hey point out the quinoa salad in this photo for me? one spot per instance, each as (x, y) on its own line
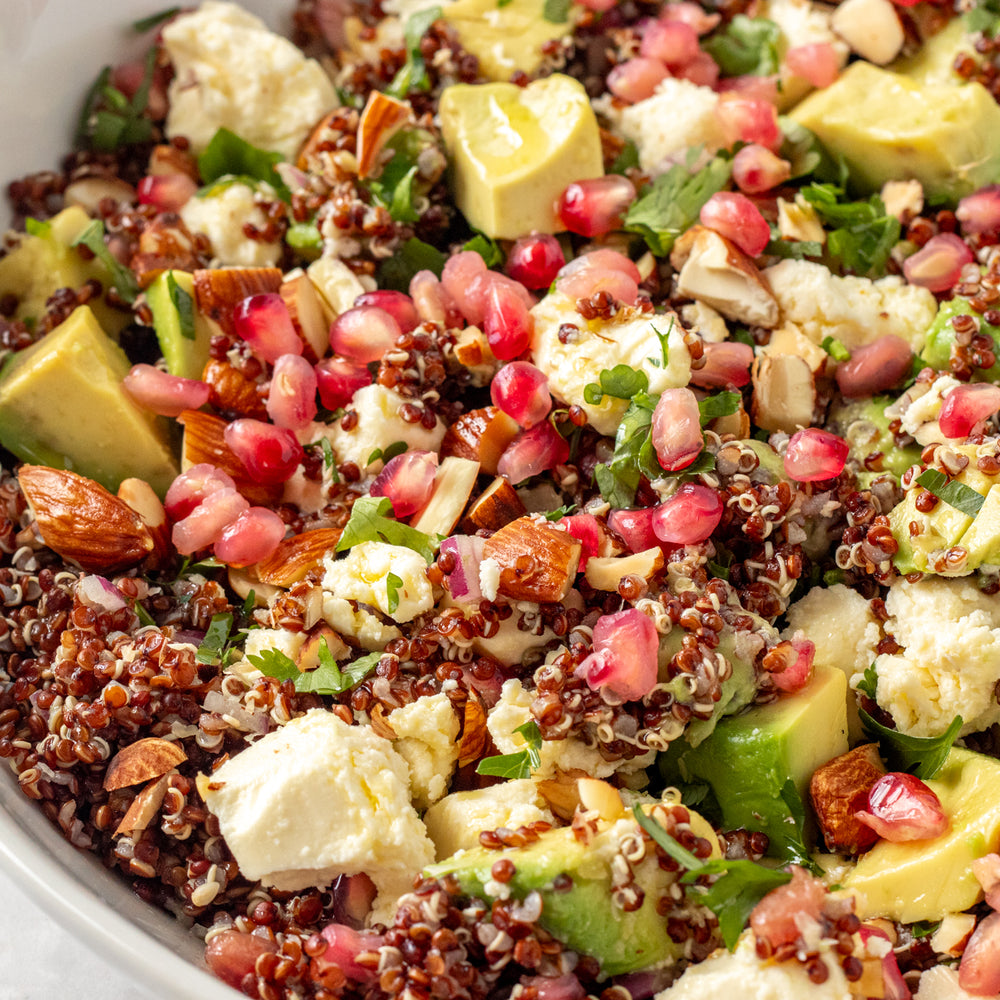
(501, 498)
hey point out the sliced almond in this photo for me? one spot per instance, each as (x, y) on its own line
(165, 244)
(308, 655)
(475, 735)
(496, 506)
(245, 583)
(296, 556)
(562, 793)
(338, 286)
(600, 797)
(83, 522)
(311, 316)
(871, 28)
(737, 424)
(142, 761)
(784, 392)
(481, 435)
(453, 484)
(232, 391)
(168, 159)
(144, 807)
(607, 572)
(472, 351)
(537, 562)
(219, 291)
(89, 192)
(381, 119)
(139, 495)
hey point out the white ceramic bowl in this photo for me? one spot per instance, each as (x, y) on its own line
(50, 51)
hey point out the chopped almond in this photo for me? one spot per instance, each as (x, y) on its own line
(537, 562)
(481, 435)
(142, 761)
(496, 506)
(839, 789)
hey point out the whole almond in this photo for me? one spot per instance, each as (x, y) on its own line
(296, 556)
(142, 761)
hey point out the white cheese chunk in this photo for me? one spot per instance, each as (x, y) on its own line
(426, 734)
(363, 575)
(221, 216)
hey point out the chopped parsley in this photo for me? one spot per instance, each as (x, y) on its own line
(621, 382)
(869, 683)
(413, 74)
(414, 255)
(722, 404)
(109, 119)
(369, 522)
(227, 155)
(522, 762)
(952, 492)
(748, 45)
(835, 349)
(920, 755)
(122, 278)
(327, 678)
(214, 645)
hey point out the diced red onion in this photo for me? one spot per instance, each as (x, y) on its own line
(232, 955)
(344, 944)
(162, 393)
(893, 984)
(463, 580)
(95, 592)
(588, 530)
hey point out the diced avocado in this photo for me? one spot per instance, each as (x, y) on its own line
(507, 37)
(184, 340)
(583, 914)
(44, 262)
(927, 879)
(887, 126)
(982, 539)
(514, 149)
(749, 757)
(62, 405)
(865, 427)
(941, 338)
(934, 61)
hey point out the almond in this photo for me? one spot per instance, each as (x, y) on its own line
(480, 435)
(602, 798)
(144, 807)
(839, 789)
(537, 562)
(296, 556)
(453, 484)
(475, 735)
(142, 761)
(607, 572)
(245, 583)
(381, 119)
(308, 655)
(220, 290)
(83, 522)
(562, 793)
(784, 392)
(168, 159)
(139, 495)
(232, 391)
(496, 506)
(310, 315)
(165, 244)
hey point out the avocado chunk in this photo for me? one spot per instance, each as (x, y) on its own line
(513, 151)
(749, 757)
(185, 335)
(505, 38)
(941, 338)
(581, 911)
(865, 427)
(934, 61)
(945, 136)
(927, 879)
(62, 405)
(46, 261)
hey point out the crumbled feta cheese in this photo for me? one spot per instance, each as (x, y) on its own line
(950, 661)
(853, 310)
(919, 407)
(628, 338)
(363, 575)
(940, 983)
(489, 578)
(359, 624)
(679, 116)
(705, 321)
(231, 72)
(221, 217)
(316, 799)
(426, 733)
(378, 426)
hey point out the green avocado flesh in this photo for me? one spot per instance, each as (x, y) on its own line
(865, 427)
(186, 352)
(62, 405)
(941, 338)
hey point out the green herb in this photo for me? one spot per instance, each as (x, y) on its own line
(35, 227)
(835, 349)
(520, 763)
(145, 618)
(413, 74)
(743, 336)
(504, 3)
(304, 237)
(832, 577)
(627, 159)
(487, 249)
(797, 851)
(794, 249)
(803, 151)
(329, 679)
(924, 928)
(393, 584)
(227, 154)
(722, 404)
(717, 569)
(633, 457)
(396, 448)
(414, 255)
(747, 46)
(184, 304)
(121, 277)
(368, 523)
(564, 511)
(621, 382)
(952, 492)
(556, 11)
(869, 683)
(393, 189)
(274, 663)
(327, 449)
(109, 119)
(249, 603)
(216, 637)
(919, 755)
(670, 205)
(983, 17)
(154, 19)
(664, 338)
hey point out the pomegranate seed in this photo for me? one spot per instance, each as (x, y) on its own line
(751, 88)
(166, 192)
(874, 367)
(407, 480)
(625, 655)
(463, 580)
(601, 270)
(507, 323)
(965, 406)
(364, 334)
(691, 14)
(190, 488)
(203, 526)
(775, 919)
(595, 207)
(980, 212)
(797, 675)
(588, 530)
(535, 260)
(902, 808)
(521, 391)
(689, 516)
(938, 264)
(635, 528)
(159, 392)
(670, 41)
(703, 70)
(232, 955)
(748, 119)
(432, 301)
(979, 970)
(727, 363)
(264, 323)
(987, 872)
(600, 6)
(636, 80)
(564, 987)
(676, 429)
(537, 450)
(269, 454)
(291, 400)
(464, 279)
(338, 380)
(756, 169)
(253, 536)
(344, 944)
(815, 62)
(130, 76)
(399, 306)
(736, 217)
(893, 984)
(814, 455)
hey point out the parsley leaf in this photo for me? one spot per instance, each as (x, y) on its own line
(413, 74)
(793, 249)
(556, 11)
(393, 584)
(110, 120)
(868, 684)
(145, 618)
(621, 382)
(749, 45)
(835, 349)
(664, 338)
(154, 19)
(919, 755)
(520, 763)
(275, 663)
(369, 523)
(227, 154)
(487, 249)
(722, 404)
(670, 205)
(626, 159)
(414, 255)
(121, 277)
(984, 16)
(184, 304)
(953, 493)
(797, 851)
(394, 186)
(216, 637)
(633, 457)
(396, 448)
(328, 678)
(564, 511)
